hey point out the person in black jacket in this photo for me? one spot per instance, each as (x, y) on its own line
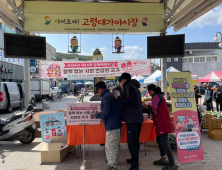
(132, 114)
(218, 98)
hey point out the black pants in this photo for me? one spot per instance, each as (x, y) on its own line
(164, 147)
(219, 102)
(209, 105)
(133, 134)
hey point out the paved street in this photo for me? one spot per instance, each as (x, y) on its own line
(17, 156)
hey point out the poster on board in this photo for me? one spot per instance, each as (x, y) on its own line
(186, 121)
(52, 124)
(79, 113)
(75, 69)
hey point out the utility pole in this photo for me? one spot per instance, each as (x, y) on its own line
(164, 60)
(27, 79)
(163, 70)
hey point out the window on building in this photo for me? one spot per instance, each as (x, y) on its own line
(208, 59)
(202, 59)
(196, 59)
(175, 59)
(169, 60)
(190, 60)
(214, 58)
(184, 60)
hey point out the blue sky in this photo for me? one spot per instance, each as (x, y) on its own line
(202, 30)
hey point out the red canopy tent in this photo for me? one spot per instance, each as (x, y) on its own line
(214, 76)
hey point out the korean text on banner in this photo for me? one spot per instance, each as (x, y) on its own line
(52, 125)
(79, 113)
(93, 17)
(186, 121)
(65, 69)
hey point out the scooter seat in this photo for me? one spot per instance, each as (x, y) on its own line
(16, 115)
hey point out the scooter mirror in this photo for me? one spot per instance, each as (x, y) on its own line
(30, 107)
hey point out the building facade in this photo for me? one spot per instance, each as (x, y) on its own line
(200, 58)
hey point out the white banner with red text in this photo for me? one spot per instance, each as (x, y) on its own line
(70, 69)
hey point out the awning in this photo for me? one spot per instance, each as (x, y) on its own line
(170, 69)
(152, 77)
(214, 76)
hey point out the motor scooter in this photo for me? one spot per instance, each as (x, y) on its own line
(81, 95)
(20, 126)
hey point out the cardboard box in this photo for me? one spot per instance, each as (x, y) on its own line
(217, 126)
(208, 122)
(55, 151)
(216, 121)
(215, 134)
(207, 117)
(204, 126)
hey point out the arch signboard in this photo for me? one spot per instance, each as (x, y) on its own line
(63, 17)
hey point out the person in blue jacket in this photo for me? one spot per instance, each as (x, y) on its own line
(208, 98)
(110, 114)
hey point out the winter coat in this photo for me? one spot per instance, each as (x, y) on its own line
(109, 111)
(161, 118)
(208, 95)
(132, 110)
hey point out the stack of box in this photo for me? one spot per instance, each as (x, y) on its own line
(216, 123)
(207, 121)
(215, 132)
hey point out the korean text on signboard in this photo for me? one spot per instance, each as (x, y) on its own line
(63, 69)
(52, 125)
(80, 113)
(186, 121)
(91, 17)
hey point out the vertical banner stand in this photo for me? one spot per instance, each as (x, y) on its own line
(83, 150)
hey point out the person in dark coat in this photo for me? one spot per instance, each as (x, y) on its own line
(132, 114)
(218, 97)
(208, 98)
(197, 96)
(113, 125)
(164, 126)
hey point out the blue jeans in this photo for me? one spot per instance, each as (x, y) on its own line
(164, 147)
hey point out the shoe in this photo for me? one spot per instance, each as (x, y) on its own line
(129, 161)
(160, 162)
(170, 168)
(134, 168)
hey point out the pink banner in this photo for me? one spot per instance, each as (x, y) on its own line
(64, 69)
(188, 137)
(79, 113)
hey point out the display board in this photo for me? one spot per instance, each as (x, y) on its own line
(52, 125)
(69, 69)
(45, 16)
(80, 113)
(186, 121)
